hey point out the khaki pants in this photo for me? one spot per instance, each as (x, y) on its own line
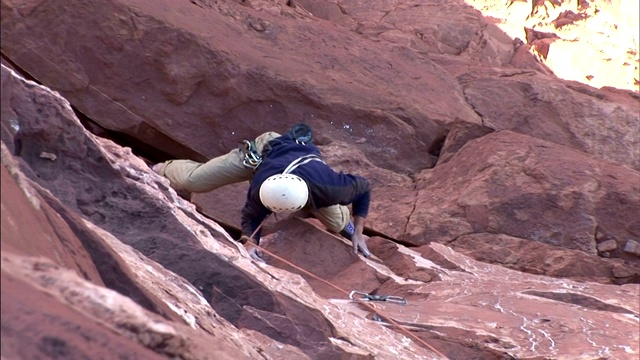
(228, 169)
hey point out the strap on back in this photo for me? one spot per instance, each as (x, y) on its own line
(301, 161)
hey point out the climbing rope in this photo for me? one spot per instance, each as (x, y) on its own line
(361, 299)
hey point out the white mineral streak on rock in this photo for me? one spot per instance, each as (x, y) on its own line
(530, 335)
(552, 343)
(188, 318)
(502, 303)
(23, 183)
(94, 301)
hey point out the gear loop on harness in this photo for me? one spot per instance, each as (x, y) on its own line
(252, 159)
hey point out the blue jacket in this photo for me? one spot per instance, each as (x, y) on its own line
(326, 187)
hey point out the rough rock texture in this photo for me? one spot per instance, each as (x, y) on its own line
(528, 188)
(504, 198)
(175, 268)
(142, 271)
(531, 257)
(569, 114)
(215, 90)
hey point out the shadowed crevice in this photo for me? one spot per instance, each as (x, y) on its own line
(581, 300)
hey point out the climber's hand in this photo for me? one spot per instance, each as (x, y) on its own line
(359, 244)
(252, 248)
(358, 238)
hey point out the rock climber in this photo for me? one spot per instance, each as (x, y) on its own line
(286, 174)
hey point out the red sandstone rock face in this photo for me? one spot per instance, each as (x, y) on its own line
(218, 92)
(138, 268)
(504, 198)
(569, 114)
(528, 188)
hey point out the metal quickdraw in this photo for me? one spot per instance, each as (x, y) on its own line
(357, 295)
(251, 156)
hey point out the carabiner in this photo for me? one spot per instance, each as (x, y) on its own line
(251, 157)
(396, 299)
(362, 296)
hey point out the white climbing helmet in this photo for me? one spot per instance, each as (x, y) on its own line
(284, 192)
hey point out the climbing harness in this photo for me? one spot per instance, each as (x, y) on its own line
(301, 161)
(251, 156)
(362, 296)
(357, 295)
(253, 161)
